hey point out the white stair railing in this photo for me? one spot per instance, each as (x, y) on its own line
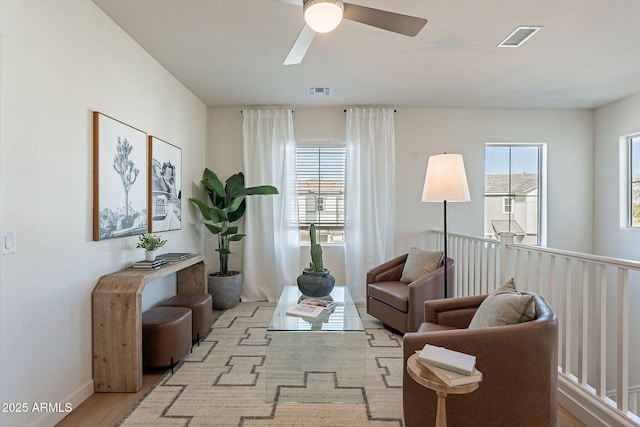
(477, 262)
(590, 296)
(634, 398)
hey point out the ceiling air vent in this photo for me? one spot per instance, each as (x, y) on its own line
(318, 91)
(518, 36)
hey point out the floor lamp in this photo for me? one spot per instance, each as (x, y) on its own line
(445, 181)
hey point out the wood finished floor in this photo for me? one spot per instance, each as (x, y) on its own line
(106, 409)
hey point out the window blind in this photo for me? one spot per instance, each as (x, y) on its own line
(321, 182)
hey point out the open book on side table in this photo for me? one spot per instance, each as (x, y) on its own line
(452, 367)
(312, 308)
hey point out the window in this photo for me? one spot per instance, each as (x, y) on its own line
(507, 205)
(512, 195)
(634, 181)
(320, 174)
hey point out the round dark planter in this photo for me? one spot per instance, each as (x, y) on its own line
(316, 283)
(225, 290)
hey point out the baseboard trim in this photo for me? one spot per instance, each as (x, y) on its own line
(589, 409)
(75, 399)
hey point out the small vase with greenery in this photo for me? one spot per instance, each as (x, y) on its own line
(150, 243)
(315, 281)
(225, 206)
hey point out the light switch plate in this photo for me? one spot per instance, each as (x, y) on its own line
(9, 242)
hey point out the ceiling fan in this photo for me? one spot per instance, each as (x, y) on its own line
(323, 16)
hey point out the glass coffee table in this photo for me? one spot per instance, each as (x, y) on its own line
(316, 361)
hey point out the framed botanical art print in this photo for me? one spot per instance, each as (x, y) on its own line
(165, 185)
(119, 178)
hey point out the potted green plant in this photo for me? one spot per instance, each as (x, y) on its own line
(226, 205)
(150, 243)
(315, 281)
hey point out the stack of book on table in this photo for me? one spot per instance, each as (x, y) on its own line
(453, 368)
(150, 265)
(312, 308)
(174, 256)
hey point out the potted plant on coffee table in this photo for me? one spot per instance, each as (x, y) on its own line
(315, 281)
(226, 206)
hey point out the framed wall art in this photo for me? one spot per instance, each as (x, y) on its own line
(165, 185)
(119, 179)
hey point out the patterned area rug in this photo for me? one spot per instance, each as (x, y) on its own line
(222, 383)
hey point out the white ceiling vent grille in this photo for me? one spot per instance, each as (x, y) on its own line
(318, 91)
(518, 36)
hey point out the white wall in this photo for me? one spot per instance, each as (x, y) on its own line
(224, 157)
(61, 60)
(611, 236)
(612, 122)
(421, 132)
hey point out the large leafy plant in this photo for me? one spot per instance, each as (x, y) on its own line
(227, 205)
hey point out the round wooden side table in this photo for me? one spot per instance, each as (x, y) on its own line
(423, 376)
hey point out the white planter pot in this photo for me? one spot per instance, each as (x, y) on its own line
(150, 255)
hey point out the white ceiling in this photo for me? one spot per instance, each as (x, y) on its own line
(230, 53)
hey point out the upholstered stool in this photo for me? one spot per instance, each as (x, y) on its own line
(166, 336)
(201, 308)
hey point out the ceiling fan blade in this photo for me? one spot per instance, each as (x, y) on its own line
(395, 22)
(300, 47)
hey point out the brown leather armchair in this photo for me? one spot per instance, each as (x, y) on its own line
(519, 364)
(398, 305)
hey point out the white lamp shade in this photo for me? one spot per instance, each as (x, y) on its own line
(446, 179)
(323, 15)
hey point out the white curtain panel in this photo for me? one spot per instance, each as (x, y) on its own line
(272, 245)
(370, 194)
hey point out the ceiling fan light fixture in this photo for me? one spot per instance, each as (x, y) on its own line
(323, 15)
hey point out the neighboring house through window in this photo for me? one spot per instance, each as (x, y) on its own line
(320, 171)
(512, 196)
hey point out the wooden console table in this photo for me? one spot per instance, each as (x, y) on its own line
(117, 320)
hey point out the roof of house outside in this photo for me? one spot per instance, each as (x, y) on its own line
(520, 183)
(313, 186)
(507, 226)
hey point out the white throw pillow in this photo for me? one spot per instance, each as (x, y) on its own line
(420, 263)
(504, 306)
